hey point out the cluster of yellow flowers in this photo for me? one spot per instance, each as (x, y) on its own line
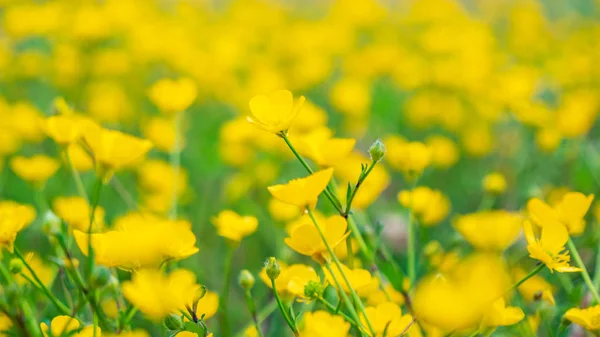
(128, 127)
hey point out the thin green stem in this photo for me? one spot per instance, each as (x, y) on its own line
(411, 248)
(487, 202)
(527, 277)
(357, 300)
(40, 285)
(76, 176)
(96, 202)
(283, 310)
(252, 310)
(225, 328)
(28, 318)
(584, 272)
(262, 315)
(361, 179)
(175, 160)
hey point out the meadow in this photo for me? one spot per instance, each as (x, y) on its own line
(270, 168)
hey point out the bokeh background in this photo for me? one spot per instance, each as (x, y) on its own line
(504, 85)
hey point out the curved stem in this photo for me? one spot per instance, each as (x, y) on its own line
(252, 310)
(584, 272)
(283, 310)
(528, 276)
(96, 201)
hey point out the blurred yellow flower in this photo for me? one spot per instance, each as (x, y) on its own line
(36, 169)
(409, 157)
(79, 158)
(75, 211)
(67, 324)
(444, 151)
(587, 318)
(321, 323)
(305, 238)
(302, 192)
(158, 295)
(173, 96)
(276, 112)
(141, 242)
(386, 293)
(324, 150)
(27, 122)
(46, 273)
(64, 130)
(535, 288)
(280, 211)
(292, 279)
(569, 211)
(501, 315)
(550, 247)
(5, 324)
(13, 218)
(158, 176)
(361, 280)
(387, 320)
(429, 206)
(233, 226)
(490, 230)
(208, 305)
(132, 333)
(494, 183)
(161, 132)
(348, 171)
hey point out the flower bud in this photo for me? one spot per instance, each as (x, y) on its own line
(100, 277)
(377, 150)
(174, 323)
(246, 279)
(273, 269)
(15, 266)
(313, 290)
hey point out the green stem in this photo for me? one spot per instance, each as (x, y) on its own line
(584, 272)
(411, 247)
(262, 315)
(486, 203)
(28, 318)
(334, 311)
(527, 277)
(225, 328)
(597, 268)
(96, 202)
(252, 310)
(175, 160)
(283, 310)
(357, 300)
(40, 285)
(76, 176)
(361, 179)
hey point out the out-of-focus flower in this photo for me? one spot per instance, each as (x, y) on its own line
(158, 295)
(587, 318)
(5, 324)
(302, 192)
(444, 152)
(348, 171)
(494, 183)
(292, 279)
(501, 315)
(75, 211)
(569, 211)
(305, 238)
(161, 132)
(173, 96)
(429, 206)
(13, 218)
(323, 149)
(79, 158)
(66, 324)
(489, 230)
(535, 288)
(276, 112)
(361, 280)
(386, 318)
(409, 157)
(64, 130)
(233, 226)
(281, 211)
(44, 272)
(139, 242)
(550, 247)
(36, 170)
(322, 323)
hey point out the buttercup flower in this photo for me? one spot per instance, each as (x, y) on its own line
(36, 170)
(323, 149)
(501, 315)
(305, 238)
(387, 319)
(65, 324)
(588, 318)
(302, 192)
(569, 211)
(292, 279)
(233, 226)
(409, 157)
(75, 211)
(13, 218)
(63, 130)
(324, 324)
(361, 280)
(276, 112)
(429, 206)
(45, 272)
(489, 230)
(550, 247)
(534, 288)
(172, 96)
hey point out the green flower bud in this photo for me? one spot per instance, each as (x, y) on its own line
(101, 277)
(377, 151)
(246, 279)
(174, 323)
(273, 269)
(313, 290)
(16, 266)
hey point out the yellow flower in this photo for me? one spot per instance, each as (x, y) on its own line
(501, 315)
(132, 333)
(494, 183)
(64, 130)
(489, 230)
(292, 279)
(323, 149)
(303, 192)
(361, 280)
(251, 331)
(13, 218)
(233, 226)
(46, 273)
(64, 324)
(161, 132)
(113, 149)
(305, 238)
(429, 206)
(75, 211)
(281, 211)
(348, 171)
(569, 211)
(5, 324)
(172, 96)
(36, 170)
(27, 122)
(158, 295)
(186, 334)
(140, 242)
(588, 318)
(323, 324)
(534, 288)
(387, 319)
(208, 305)
(80, 159)
(26, 213)
(276, 112)
(387, 293)
(110, 307)
(550, 247)
(444, 152)
(158, 176)
(409, 157)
